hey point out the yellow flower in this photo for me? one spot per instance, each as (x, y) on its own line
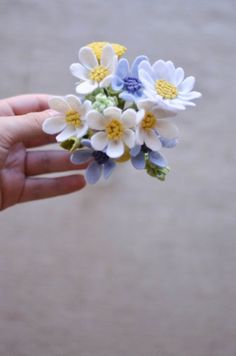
(97, 47)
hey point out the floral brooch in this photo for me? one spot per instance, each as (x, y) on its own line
(121, 112)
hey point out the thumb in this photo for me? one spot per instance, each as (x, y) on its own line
(28, 129)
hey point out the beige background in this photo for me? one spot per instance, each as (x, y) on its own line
(134, 267)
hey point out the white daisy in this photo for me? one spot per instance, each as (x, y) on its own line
(165, 84)
(152, 124)
(91, 73)
(71, 119)
(115, 130)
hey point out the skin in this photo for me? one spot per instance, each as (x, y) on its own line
(21, 121)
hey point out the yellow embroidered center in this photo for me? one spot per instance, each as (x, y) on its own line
(73, 118)
(97, 48)
(98, 73)
(166, 89)
(114, 130)
(149, 121)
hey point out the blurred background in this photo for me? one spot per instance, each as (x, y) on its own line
(132, 267)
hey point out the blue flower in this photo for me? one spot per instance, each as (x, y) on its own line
(100, 162)
(127, 80)
(138, 157)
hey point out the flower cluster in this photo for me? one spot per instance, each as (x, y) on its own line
(121, 112)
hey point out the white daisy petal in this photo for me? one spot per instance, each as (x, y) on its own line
(87, 57)
(58, 103)
(146, 66)
(129, 138)
(107, 55)
(115, 149)
(161, 70)
(139, 136)
(113, 65)
(152, 141)
(105, 82)
(99, 141)
(178, 76)
(113, 112)
(167, 129)
(81, 131)
(95, 120)
(74, 102)
(86, 87)
(53, 125)
(68, 132)
(129, 118)
(79, 71)
(190, 96)
(186, 85)
(171, 68)
(146, 79)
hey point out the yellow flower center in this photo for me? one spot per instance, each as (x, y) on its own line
(149, 121)
(114, 130)
(98, 73)
(73, 118)
(166, 89)
(97, 48)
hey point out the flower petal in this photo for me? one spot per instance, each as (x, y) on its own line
(107, 55)
(146, 67)
(108, 168)
(87, 57)
(168, 143)
(138, 161)
(167, 129)
(86, 87)
(113, 112)
(106, 81)
(99, 141)
(157, 159)
(178, 76)
(78, 71)
(129, 138)
(81, 156)
(161, 70)
(152, 141)
(122, 68)
(68, 132)
(53, 125)
(187, 85)
(146, 79)
(93, 173)
(115, 149)
(74, 102)
(129, 118)
(117, 83)
(58, 103)
(135, 150)
(95, 120)
(82, 130)
(135, 65)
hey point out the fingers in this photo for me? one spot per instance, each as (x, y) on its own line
(41, 162)
(23, 104)
(41, 188)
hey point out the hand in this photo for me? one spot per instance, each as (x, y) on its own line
(21, 121)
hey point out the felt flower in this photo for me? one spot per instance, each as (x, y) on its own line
(166, 85)
(100, 163)
(127, 80)
(92, 73)
(71, 118)
(115, 130)
(152, 123)
(97, 48)
(139, 154)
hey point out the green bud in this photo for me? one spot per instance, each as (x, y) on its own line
(156, 171)
(71, 144)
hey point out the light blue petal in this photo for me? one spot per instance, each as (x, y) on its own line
(135, 150)
(127, 96)
(117, 83)
(136, 62)
(93, 173)
(81, 156)
(168, 143)
(157, 159)
(138, 161)
(122, 69)
(108, 168)
(86, 142)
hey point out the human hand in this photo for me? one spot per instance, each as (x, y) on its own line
(21, 121)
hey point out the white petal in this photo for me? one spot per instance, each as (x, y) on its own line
(79, 71)
(140, 115)
(187, 85)
(105, 82)
(59, 104)
(113, 65)
(74, 102)
(53, 125)
(107, 55)
(152, 141)
(146, 67)
(95, 120)
(167, 129)
(99, 141)
(115, 149)
(161, 70)
(178, 76)
(86, 87)
(129, 118)
(87, 57)
(113, 112)
(68, 132)
(129, 138)
(81, 131)
(190, 96)
(146, 79)
(171, 69)
(139, 135)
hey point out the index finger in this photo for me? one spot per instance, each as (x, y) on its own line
(23, 104)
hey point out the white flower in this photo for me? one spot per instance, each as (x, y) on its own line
(115, 130)
(152, 124)
(71, 119)
(91, 73)
(165, 84)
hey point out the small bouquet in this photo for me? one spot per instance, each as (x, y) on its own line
(122, 112)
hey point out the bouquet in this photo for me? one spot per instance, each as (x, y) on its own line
(121, 112)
